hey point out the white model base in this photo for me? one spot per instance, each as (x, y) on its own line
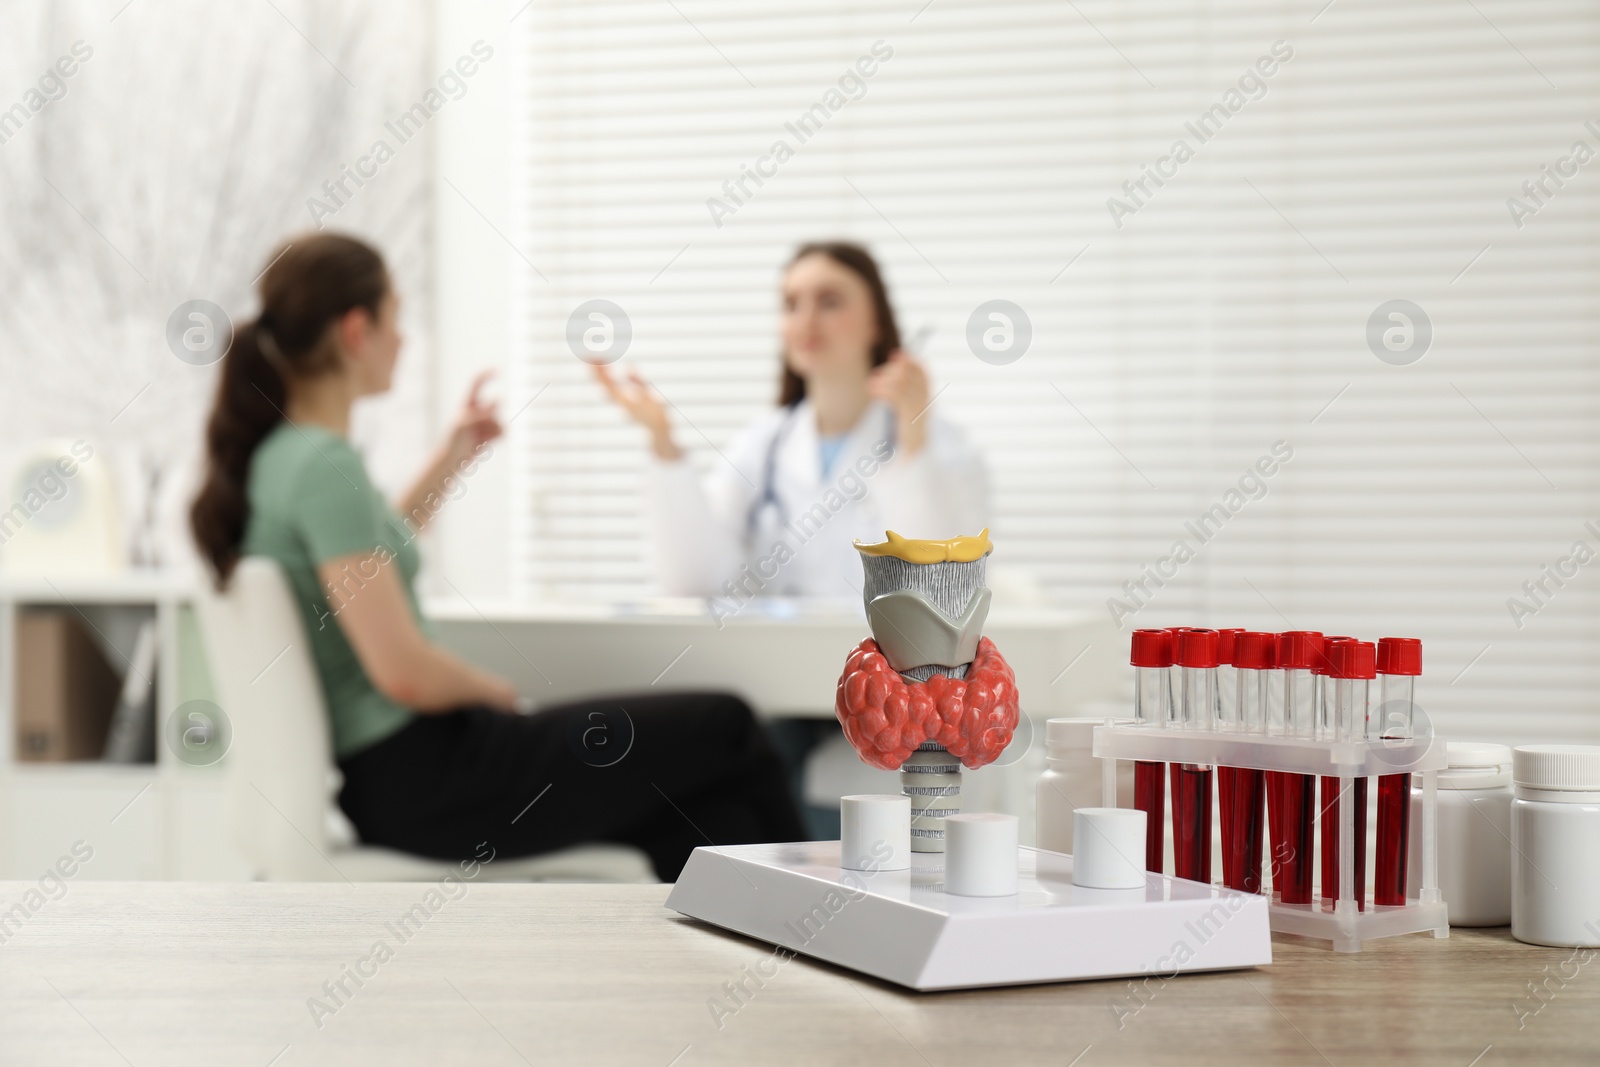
(903, 927)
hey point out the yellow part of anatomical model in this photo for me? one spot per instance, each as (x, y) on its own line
(952, 550)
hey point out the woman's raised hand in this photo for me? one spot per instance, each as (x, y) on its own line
(902, 383)
(639, 401)
(476, 424)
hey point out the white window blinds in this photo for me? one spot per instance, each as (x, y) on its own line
(1190, 307)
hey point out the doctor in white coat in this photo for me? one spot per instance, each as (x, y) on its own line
(853, 448)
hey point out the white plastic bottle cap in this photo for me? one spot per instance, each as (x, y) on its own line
(1476, 765)
(1070, 732)
(1108, 848)
(980, 854)
(875, 832)
(1574, 767)
(1076, 732)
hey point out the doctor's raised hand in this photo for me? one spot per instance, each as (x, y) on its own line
(639, 401)
(902, 383)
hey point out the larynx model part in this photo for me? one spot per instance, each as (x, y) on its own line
(927, 694)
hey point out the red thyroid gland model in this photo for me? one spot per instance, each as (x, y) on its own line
(927, 694)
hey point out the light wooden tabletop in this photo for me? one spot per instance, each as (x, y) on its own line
(223, 974)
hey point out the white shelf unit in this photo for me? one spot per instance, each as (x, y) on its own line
(1342, 922)
(161, 820)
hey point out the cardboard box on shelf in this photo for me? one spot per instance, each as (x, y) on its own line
(66, 690)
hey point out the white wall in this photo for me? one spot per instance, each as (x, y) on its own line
(470, 547)
(184, 150)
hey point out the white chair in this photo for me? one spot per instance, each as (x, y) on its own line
(281, 775)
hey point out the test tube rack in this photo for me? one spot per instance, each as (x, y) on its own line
(1341, 921)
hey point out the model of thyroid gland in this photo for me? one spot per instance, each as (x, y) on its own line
(927, 694)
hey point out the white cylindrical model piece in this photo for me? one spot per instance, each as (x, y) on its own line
(980, 854)
(1555, 840)
(1072, 779)
(1474, 834)
(1110, 848)
(875, 832)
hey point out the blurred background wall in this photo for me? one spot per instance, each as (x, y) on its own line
(170, 165)
(1207, 216)
(1181, 320)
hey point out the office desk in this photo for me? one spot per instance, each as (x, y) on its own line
(209, 974)
(784, 657)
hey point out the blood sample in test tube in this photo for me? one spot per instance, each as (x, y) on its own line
(1196, 656)
(1277, 726)
(1152, 707)
(1225, 716)
(1346, 692)
(1327, 730)
(1241, 791)
(1298, 652)
(1175, 720)
(1399, 662)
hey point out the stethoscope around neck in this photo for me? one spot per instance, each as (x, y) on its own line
(768, 496)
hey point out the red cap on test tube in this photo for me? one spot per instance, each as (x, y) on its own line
(1227, 643)
(1353, 659)
(1255, 651)
(1197, 648)
(1299, 650)
(1151, 648)
(1324, 664)
(1399, 655)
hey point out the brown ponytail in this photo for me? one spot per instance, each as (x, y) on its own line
(310, 283)
(852, 257)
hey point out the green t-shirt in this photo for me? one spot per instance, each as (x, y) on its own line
(311, 501)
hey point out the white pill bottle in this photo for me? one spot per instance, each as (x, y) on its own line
(1474, 834)
(1071, 780)
(1555, 842)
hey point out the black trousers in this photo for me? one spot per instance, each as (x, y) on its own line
(664, 772)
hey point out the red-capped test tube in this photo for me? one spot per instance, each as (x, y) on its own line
(1297, 653)
(1196, 656)
(1277, 726)
(1349, 672)
(1227, 713)
(1241, 791)
(1327, 729)
(1399, 663)
(1152, 707)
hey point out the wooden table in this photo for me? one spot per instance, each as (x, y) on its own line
(217, 974)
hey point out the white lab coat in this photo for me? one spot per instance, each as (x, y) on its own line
(699, 527)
